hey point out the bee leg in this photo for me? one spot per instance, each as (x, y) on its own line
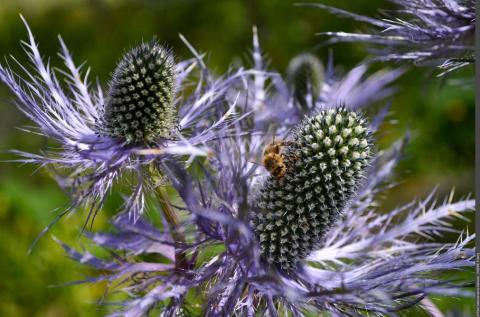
(292, 156)
(286, 143)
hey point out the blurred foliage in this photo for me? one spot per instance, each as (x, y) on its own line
(439, 115)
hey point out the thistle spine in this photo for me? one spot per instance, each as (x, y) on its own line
(140, 106)
(326, 162)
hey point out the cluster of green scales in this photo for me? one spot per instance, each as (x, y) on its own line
(325, 160)
(325, 163)
(140, 105)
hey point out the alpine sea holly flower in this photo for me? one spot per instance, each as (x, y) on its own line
(324, 162)
(145, 116)
(370, 260)
(140, 104)
(426, 32)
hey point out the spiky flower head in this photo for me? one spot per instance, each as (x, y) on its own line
(134, 127)
(305, 74)
(140, 105)
(325, 161)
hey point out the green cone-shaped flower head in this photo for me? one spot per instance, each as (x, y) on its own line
(305, 74)
(140, 105)
(326, 161)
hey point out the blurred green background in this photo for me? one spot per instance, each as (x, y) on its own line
(440, 116)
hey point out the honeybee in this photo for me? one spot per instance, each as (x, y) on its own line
(273, 158)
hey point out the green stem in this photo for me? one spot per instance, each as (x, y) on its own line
(174, 223)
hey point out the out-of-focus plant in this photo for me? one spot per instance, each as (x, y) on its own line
(426, 32)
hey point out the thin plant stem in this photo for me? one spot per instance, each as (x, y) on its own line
(174, 223)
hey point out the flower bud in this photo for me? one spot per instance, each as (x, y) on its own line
(305, 75)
